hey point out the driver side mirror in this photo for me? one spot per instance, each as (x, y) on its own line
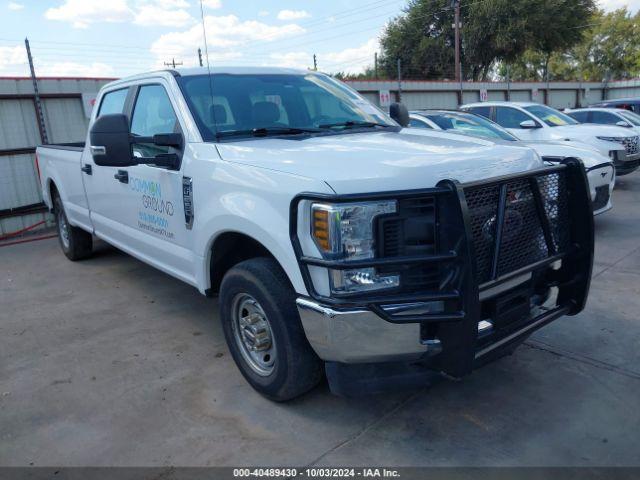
(529, 124)
(622, 123)
(399, 113)
(111, 144)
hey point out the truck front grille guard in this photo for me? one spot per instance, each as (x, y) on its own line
(488, 233)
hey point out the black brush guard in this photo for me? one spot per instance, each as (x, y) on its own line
(488, 233)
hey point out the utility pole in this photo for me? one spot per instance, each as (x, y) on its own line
(200, 56)
(399, 81)
(508, 82)
(315, 63)
(456, 5)
(173, 63)
(375, 65)
(36, 96)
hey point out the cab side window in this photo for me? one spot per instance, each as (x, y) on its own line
(484, 111)
(582, 117)
(415, 123)
(152, 114)
(508, 117)
(604, 118)
(113, 102)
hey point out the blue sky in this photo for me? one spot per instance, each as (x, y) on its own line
(122, 37)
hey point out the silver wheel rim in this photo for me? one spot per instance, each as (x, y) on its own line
(253, 335)
(63, 229)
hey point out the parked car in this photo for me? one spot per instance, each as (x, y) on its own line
(336, 240)
(599, 168)
(632, 104)
(607, 116)
(532, 121)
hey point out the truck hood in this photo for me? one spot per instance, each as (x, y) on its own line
(383, 161)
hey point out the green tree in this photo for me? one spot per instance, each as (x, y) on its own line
(493, 31)
(611, 47)
(560, 26)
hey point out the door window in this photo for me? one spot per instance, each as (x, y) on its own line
(415, 123)
(113, 102)
(484, 111)
(152, 114)
(508, 117)
(604, 118)
(582, 117)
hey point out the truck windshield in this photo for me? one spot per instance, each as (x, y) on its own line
(550, 116)
(250, 105)
(469, 124)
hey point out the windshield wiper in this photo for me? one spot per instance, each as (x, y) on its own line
(266, 131)
(353, 124)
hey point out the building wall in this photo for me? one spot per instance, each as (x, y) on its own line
(65, 121)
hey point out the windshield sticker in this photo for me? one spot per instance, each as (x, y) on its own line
(556, 120)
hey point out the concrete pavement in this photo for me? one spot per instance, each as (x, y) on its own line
(110, 362)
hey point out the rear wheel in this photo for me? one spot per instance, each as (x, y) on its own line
(75, 242)
(263, 330)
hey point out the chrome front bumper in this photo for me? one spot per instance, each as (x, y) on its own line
(360, 336)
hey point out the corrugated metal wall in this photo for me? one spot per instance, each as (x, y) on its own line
(420, 95)
(65, 121)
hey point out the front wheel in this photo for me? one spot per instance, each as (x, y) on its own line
(263, 330)
(76, 244)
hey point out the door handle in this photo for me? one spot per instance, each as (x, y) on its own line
(87, 169)
(122, 176)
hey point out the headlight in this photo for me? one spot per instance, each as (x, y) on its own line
(345, 232)
(617, 155)
(611, 139)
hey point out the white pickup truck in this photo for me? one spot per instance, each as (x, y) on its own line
(338, 241)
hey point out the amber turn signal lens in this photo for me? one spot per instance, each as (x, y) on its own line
(321, 228)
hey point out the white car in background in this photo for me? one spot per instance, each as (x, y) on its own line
(607, 116)
(600, 170)
(533, 121)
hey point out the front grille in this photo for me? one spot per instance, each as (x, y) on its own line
(523, 240)
(602, 197)
(631, 145)
(411, 232)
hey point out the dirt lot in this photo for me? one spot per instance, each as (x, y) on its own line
(110, 362)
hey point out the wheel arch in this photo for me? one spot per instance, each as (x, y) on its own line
(228, 249)
(52, 192)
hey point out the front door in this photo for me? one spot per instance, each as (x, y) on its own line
(140, 209)
(511, 118)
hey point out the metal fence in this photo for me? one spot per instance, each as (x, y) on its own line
(67, 105)
(448, 94)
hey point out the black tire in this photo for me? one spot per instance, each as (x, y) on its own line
(77, 244)
(296, 367)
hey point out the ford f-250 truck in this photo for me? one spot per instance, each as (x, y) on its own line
(338, 241)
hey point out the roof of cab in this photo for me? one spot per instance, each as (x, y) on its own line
(184, 72)
(504, 103)
(241, 70)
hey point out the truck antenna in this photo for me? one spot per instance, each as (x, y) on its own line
(206, 54)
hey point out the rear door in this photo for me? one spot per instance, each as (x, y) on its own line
(140, 209)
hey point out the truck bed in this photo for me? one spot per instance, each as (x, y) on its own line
(74, 146)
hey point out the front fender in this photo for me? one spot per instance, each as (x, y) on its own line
(258, 209)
